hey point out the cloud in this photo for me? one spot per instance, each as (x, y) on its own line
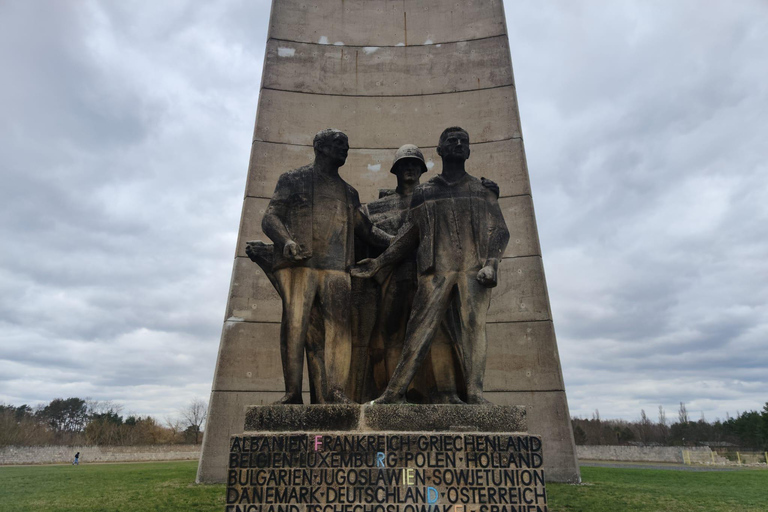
(124, 146)
(643, 127)
(124, 158)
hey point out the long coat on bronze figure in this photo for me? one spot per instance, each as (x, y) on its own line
(312, 219)
(457, 225)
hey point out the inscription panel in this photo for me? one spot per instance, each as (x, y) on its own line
(402, 472)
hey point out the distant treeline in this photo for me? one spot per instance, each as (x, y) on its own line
(77, 421)
(748, 430)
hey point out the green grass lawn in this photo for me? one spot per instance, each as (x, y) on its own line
(167, 486)
(145, 487)
(650, 490)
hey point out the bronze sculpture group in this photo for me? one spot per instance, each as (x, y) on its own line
(433, 255)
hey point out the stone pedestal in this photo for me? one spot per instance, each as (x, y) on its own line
(386, 418)
(390, 458)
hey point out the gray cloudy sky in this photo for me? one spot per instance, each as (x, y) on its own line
(124, 143)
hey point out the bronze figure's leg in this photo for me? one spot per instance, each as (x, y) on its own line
(315, 347)
(443, 363)
(298, 287)
(447, 367)
(365, 304)
(379, 344)
(389, 331)
(335, 294)
(429, 307)
(396, 306)
(473, 300)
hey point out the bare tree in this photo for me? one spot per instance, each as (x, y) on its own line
(646, 427)
(103, 407)
(682, 414)
(194, 416)
(175, 426)
(663, 428)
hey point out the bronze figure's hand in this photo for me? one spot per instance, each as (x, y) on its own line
(365, 269)
(491, 185)
(249, 250)
(487, 276)
(291, 251)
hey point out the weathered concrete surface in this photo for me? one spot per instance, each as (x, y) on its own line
(252, 297)
(523, 236)
(444, 418)
(247, 368)
(528, 359)
(317, 90)
(521, 295)
(374, 71)
(286, 418)
(385, 418)
(547, 414)
(386, 22)
(65, 454)
(376, 122)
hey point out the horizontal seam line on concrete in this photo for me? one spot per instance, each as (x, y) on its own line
(254, 391)
(521, 256)
(524, 391)
(500, 197)
(380, 149)
(517, 321)
(306, 392)
(503, 257)
(503, 34)
(275, 322)
(389, 95)
(516, 195)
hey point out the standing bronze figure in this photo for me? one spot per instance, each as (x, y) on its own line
(457, 227)
(397, 286)
(312, 219)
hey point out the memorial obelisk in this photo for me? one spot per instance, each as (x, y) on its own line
(389, 73)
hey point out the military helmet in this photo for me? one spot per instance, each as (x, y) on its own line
(408, 151)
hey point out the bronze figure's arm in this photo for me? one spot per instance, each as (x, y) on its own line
(491, 185)
(272, 224)
(498, 237)
(365, 229)
(405, 242)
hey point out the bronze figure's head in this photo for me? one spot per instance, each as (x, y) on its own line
(409, 164)
(332, 143)
(453, 144)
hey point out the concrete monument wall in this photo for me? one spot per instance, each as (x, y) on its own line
(673, 454)
(389, 73)
(65, 454)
